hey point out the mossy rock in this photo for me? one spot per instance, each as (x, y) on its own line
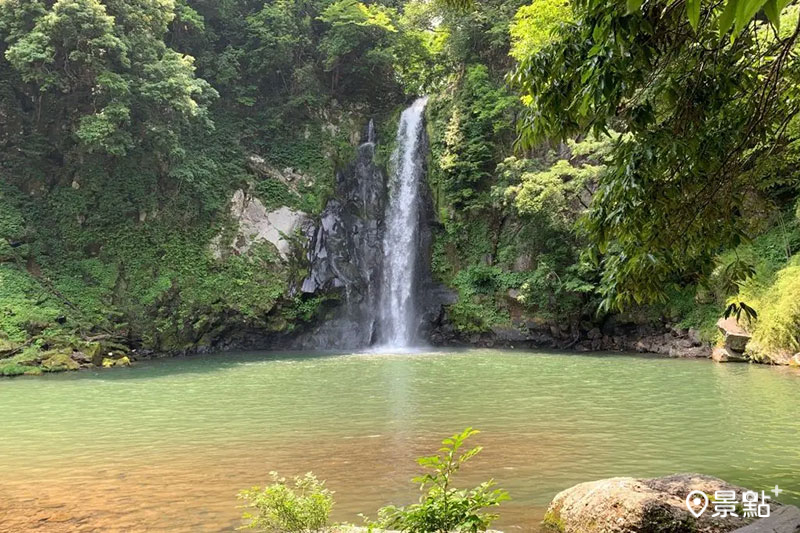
(14, 369)
(109, 362)
(98, 352)
(6, 346)
(58, 361)
(553, 522)
(94, 351)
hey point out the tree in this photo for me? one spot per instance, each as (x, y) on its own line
(108, 61)
(536, 25)
(704, 115)
(356, 44)
(735, 14)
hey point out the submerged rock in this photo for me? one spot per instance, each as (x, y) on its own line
(628, 505)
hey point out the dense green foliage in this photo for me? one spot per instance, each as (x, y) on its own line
(587, 158)
(708, 157)
(125, 128)
(702, 114)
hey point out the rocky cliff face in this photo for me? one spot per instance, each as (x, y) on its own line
(255, 224)
(346, 254)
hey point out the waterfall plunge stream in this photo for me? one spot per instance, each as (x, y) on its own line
(397, 307)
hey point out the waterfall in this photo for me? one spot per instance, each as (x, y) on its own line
(398, 310)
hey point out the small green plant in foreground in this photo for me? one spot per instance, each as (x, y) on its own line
(300, 506)
(443, 508)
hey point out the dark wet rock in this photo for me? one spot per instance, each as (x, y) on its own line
(784, 519)
(345, 253)
(509, 335)
(611, 335)
(628, 505)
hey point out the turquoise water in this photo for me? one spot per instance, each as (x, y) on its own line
(166, 445)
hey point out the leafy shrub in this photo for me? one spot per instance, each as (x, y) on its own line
(478, 285)
(778, 326)
(300, 507)
(274, 193)
(443, 508)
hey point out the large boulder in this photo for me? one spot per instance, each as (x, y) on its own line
(628, 505)
(736, 338)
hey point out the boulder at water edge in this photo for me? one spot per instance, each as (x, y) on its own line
(736, 338)
(628, 505)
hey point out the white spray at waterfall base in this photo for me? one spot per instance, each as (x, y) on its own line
(398, 309)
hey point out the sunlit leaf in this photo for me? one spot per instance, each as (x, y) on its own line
(771, 10)
(634, 5)
(693, 12)
(726, 18)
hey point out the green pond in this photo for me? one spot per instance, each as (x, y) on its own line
(165, 445)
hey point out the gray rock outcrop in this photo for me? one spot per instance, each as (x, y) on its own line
(735, 337)
(784, 519)
(255, 224)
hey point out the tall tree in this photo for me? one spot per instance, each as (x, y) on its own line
(703, 116)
